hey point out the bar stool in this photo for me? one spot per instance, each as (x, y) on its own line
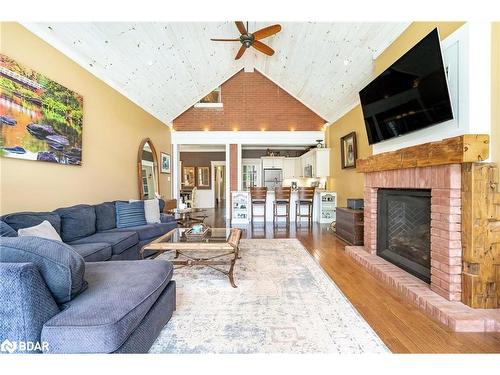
(282, 198)
(305, 198)
(258, 196)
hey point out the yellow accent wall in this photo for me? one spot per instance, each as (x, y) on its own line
(112, 131)
(495, 92)
(347, 182)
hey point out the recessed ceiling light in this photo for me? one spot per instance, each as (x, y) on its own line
(346, 62)
(150, 63)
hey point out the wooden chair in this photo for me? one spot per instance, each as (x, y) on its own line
(305, 198)
(258, 196)
(282, 198)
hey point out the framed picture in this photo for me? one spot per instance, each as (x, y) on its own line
(165, 163)
(203, 178)
(348, 150)
(40, 119)
(188, 177)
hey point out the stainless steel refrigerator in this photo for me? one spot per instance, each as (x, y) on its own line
(273, 178)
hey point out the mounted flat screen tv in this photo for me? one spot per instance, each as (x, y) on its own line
(410, 95)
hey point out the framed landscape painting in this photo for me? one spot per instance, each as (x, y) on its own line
(39, 118)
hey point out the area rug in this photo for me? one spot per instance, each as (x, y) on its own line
(284, 303)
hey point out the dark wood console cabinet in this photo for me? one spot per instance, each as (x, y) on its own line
(349, 225)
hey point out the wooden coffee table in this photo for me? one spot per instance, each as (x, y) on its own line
(221, 246)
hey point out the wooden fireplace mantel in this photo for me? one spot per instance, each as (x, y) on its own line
(467, 148)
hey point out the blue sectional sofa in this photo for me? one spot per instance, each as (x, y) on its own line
(72, 296)
(91, 230)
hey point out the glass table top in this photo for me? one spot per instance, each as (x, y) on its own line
(213, 235)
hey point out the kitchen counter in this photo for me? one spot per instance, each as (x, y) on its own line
(324, 207)
(293, 199)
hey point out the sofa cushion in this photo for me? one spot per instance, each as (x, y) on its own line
(94, 252)
(119, 296)
(119, 241)
(30, 219)
(105, 216)
(76, 222)
(130, 214)
(148, 231)
(6, 230)
(61, 266)
(42, 230)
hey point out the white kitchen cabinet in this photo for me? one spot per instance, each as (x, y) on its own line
(319, 159)
(276, 162)
(299, 171)
(322, 163)
(289, 170)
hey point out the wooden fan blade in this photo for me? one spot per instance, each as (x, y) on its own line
(241, 27)
(225, 40)
(266, 31)
(263, 48)
(240, 52)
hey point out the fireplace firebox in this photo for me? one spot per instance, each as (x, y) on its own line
(404, 229)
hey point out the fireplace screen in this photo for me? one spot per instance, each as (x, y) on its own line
(404, 229)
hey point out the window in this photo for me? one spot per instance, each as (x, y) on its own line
(211, 100)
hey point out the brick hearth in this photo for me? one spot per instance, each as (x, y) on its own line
(457, 316)
(446, 248)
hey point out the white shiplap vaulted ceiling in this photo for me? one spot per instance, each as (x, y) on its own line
(166, 67)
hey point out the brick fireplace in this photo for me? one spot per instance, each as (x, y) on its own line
(444, 182)
(459, 231)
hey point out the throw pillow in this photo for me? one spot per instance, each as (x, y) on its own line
(151, 210)
(6, 230)
(130, 214)
(42, 230)
(76, 222)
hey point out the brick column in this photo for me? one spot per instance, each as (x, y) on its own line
(446, 245)
(370, 214)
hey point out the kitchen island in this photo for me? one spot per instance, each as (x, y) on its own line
(324, 207)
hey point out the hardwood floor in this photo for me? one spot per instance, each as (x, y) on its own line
(400, 325)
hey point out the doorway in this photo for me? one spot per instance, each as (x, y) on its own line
(219, 173)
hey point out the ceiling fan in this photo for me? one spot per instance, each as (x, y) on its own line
(248, 40)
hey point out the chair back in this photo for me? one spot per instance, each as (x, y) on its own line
(258, 193)
(282, 193)
(306, 193)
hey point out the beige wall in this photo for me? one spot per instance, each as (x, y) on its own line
(113, 128)
(495, 92)
(346, 182)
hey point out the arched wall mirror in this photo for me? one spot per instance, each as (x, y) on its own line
(147, 163)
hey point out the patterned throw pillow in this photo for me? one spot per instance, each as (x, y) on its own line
(130, 214)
